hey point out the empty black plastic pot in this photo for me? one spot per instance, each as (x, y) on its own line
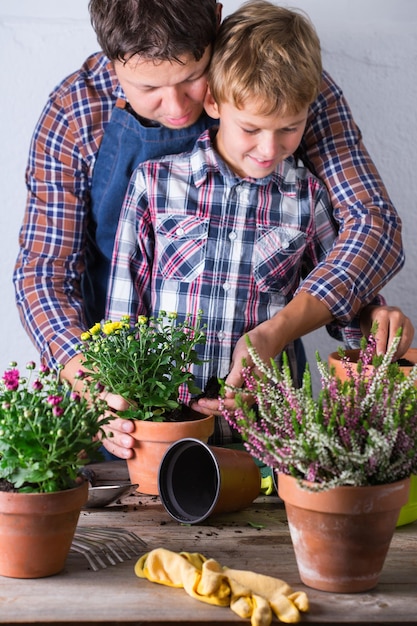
(196, 480)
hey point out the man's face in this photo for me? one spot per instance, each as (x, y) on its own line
(165, 91)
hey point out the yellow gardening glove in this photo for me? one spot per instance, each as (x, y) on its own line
(247, 587)
(248, 605)
(192, 571)
(249, 595)
(267, 485)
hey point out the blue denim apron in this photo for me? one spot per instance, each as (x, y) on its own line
(125, 144)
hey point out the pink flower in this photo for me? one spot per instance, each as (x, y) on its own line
(37, 385)
(11, 379)
(54, 400)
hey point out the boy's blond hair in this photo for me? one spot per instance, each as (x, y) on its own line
(268, 54)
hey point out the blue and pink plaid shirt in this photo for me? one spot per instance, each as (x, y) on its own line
(193, 236)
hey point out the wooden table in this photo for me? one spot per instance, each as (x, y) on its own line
(256, 539)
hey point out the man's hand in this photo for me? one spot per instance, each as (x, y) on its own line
(389, 320)
(118, 441)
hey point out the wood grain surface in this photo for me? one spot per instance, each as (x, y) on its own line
(256, 539)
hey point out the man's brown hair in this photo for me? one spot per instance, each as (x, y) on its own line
(154, 29)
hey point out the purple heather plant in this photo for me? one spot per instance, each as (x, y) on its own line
(359, 431)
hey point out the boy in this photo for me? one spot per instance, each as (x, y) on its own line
(230, 227)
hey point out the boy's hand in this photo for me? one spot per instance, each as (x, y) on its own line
(302, 315)
(261, 342)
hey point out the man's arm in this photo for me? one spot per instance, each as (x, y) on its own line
(119, 441)
(49, 264)
(368, 251)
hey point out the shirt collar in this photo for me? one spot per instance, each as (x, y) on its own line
(205, 161)
(118, 92)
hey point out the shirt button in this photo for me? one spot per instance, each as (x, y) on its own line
(221, 335)
(180, 232)
(232, 235)
(226, 286)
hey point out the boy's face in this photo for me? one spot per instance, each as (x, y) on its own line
(165, 92)
(253, 144)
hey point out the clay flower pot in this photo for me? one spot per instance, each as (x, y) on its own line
(335, 361)
(37, 529)
(408, 512)
(196, 480)
(152, 441)
(341, 536)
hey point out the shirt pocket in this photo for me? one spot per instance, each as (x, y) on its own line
(277, 258)
(181, 244)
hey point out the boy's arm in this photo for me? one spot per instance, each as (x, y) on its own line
(302, 315)
(368, 251)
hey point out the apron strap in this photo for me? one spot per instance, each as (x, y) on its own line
(121, 103)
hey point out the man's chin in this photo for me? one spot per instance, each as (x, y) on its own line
(183, 122)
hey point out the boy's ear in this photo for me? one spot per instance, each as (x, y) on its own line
(211, 106)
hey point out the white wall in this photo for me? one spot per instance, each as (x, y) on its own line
(369, 47)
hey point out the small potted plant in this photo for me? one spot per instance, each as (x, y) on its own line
(149, 364)
(346, 452)
(48, 431)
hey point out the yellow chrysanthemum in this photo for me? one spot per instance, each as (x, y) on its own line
(109, 328)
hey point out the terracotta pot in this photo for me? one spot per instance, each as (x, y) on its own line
(341, 536)
(408, 512)
(335, 361)
(196, 480)
(152, 441)
(37, 529)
